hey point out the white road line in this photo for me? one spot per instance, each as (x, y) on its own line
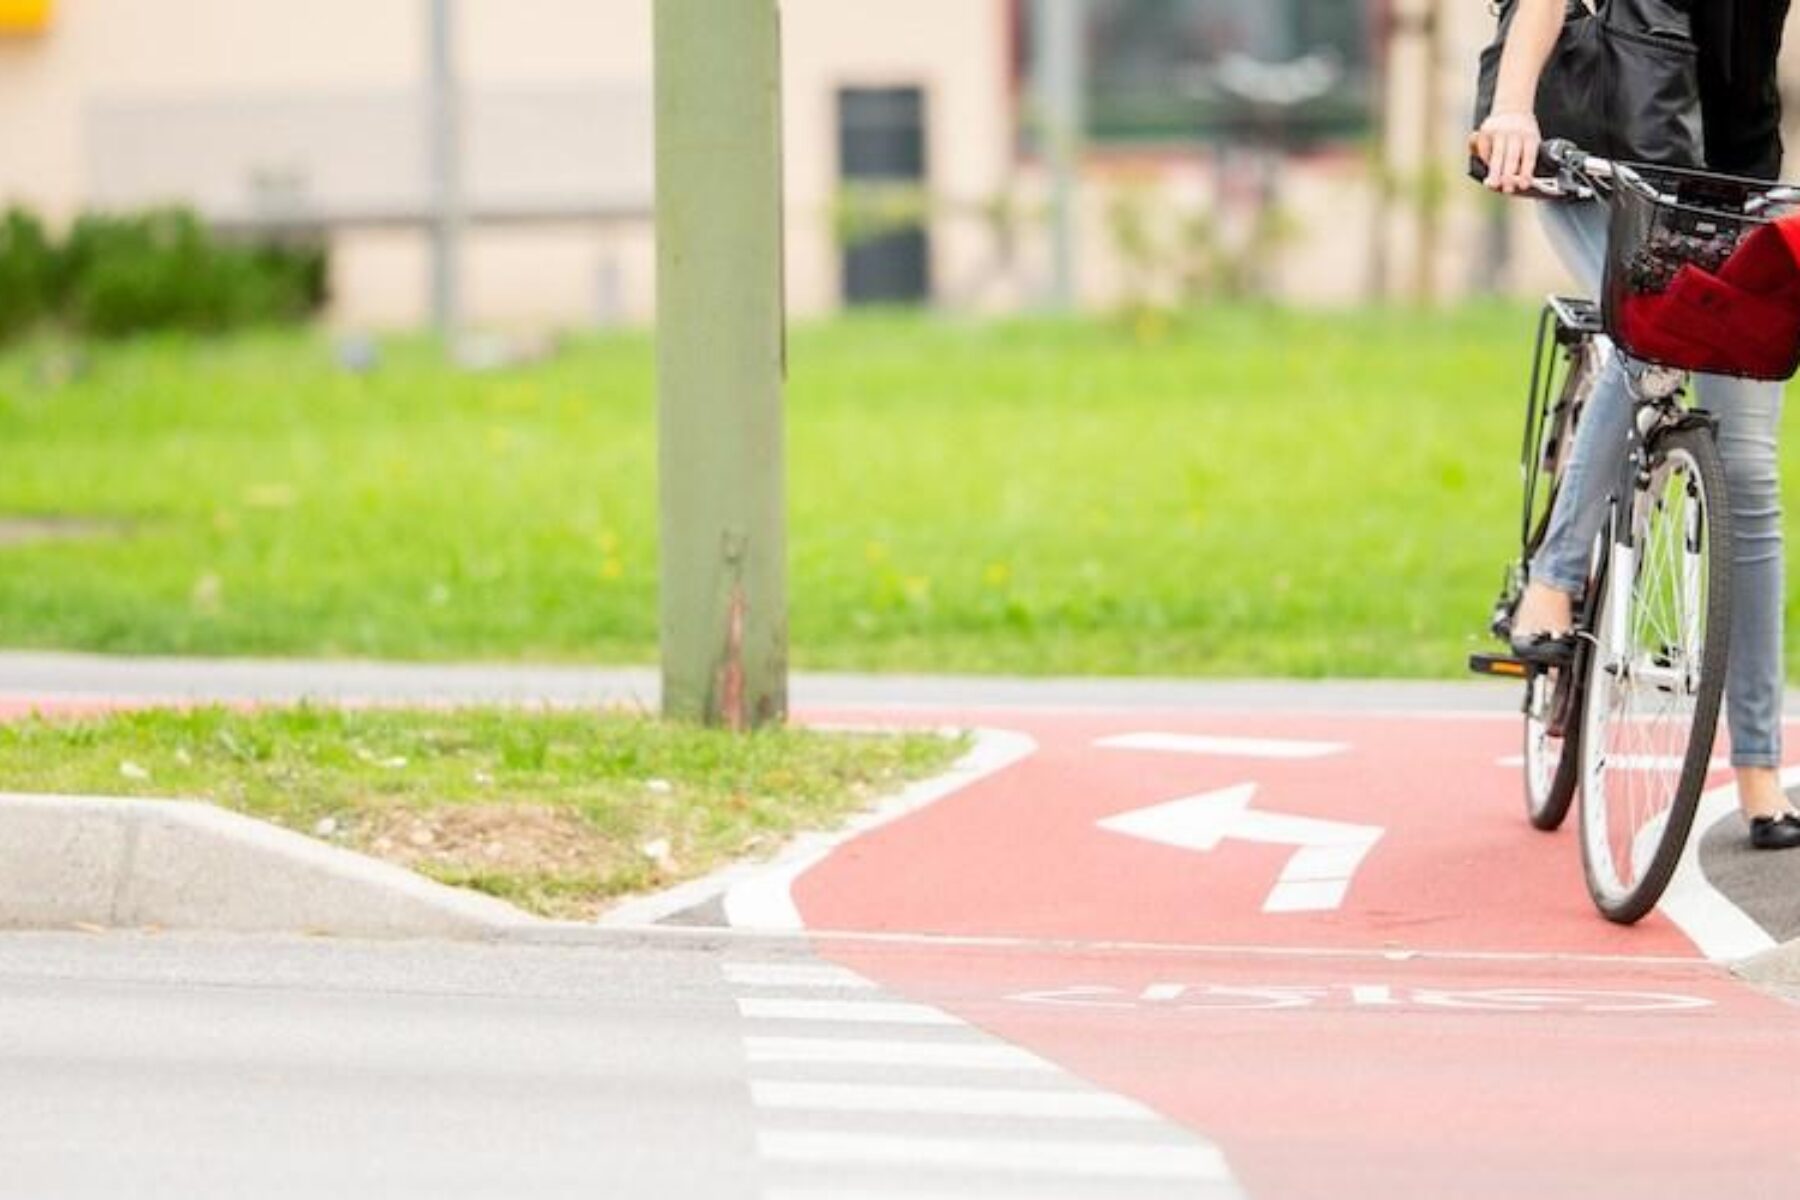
(1084, 1105)
(951, 1056)
(1224, 747)
(794, 975)
(1101, 1160)
(864, 1012)
(1631, 762)
(1723, 931)
(813, 939)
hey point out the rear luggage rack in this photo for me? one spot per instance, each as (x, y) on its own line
(1576, 319)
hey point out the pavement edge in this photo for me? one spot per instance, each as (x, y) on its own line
(186, 865)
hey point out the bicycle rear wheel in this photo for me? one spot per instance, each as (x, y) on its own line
(1655, 677)
(1553, 702)
(1552, 737)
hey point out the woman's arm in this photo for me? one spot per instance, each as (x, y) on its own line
(1508, 140)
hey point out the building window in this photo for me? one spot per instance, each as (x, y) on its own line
(1176, 70)
(883, 159)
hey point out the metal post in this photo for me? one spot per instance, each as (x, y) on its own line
(1382, 155)
(446, 172)
(720, 361)
(1062, 125)
(1431, 189)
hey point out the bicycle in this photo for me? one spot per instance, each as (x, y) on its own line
(1629, 722)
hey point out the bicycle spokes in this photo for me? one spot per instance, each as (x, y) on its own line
(1654, 699)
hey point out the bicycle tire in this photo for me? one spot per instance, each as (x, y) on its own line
(1552, 766)
(1632, 836)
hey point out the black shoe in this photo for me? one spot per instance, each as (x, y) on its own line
(1775, 833)
(1544, 649)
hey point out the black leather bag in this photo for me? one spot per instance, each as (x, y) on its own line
(1622, 82)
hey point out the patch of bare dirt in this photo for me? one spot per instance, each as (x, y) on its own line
(505, 839)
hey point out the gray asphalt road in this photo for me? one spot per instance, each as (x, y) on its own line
(669, 1067)
(52, 677)
(151, 1067)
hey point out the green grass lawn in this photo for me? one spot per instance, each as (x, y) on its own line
(557, 812)
(1252, 493)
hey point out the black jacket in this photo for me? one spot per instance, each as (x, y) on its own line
(1739, 42)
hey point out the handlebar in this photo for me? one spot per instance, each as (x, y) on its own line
(1579, 173)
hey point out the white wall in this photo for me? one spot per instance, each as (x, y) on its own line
(202, 72)
(167, 58)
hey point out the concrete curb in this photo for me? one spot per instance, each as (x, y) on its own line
(118, 863)
(1778, 969)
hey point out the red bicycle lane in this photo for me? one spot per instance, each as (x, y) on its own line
(1448, 1017)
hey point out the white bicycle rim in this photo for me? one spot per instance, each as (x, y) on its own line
(1543, 753)
(1638, 724)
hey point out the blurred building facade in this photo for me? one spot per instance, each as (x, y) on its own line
(1300, 149)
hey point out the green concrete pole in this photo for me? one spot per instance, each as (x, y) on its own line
(720, 361)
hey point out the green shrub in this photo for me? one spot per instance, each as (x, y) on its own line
(28, 272)
(164, 270)
(119, 274)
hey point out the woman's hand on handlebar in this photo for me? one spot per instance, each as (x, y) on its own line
(1508, 143)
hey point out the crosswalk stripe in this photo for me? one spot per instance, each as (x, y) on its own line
(955, 1056)
(868, 1012)
(794, 975)
(946, 1101)
(838, 1192)
(1190, 1190)
(1104, 1160)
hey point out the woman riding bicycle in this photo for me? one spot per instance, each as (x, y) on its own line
(1739, 42)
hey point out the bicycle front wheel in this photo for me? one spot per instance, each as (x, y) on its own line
(1655, 677)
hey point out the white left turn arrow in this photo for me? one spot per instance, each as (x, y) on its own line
(1315, 879)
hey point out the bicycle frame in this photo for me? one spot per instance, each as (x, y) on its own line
(1628, 719)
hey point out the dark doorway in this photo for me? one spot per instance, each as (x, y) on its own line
(881, 146)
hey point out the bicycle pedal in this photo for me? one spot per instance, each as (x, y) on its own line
(1503, 665)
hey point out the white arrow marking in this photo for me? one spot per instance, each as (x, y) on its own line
(1315, 879)
(1222, 747)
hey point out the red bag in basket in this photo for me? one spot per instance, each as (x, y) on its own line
(1745, 320)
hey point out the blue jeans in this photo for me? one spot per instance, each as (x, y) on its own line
(1749, 416)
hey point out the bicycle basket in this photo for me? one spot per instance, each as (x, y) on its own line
(1695, 283)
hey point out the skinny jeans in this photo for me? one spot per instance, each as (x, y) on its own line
(1749, 416)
